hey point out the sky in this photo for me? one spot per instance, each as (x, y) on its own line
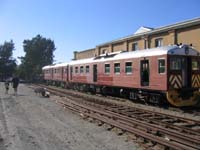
(76, 25)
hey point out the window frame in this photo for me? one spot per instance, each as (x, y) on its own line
(175, 68)
(129, 66)
(87, 69)
(105, 68)
(104, 51)
(198, 65)
(76, 69)
(135, 46)
(159, 67)
(159, 42)
(115, 71)
(81, 69)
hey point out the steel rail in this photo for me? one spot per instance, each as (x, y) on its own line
(179, 140)
(122, 123)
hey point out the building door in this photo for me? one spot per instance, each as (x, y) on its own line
(144, 72)
(95, 73)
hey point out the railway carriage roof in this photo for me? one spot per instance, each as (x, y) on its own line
(60, 65)
(55, 65)
(166, 50)
(47, 67)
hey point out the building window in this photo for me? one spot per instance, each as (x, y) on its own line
(76, 69)
(104, 51)
(87, 69)
(117, 68)
(81, 69)
(161, 66)
(158, 42)
(135, 46)
(128, 68)
(175, 63)
(107, 68)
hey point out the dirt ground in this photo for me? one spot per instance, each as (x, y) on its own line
(30, 122)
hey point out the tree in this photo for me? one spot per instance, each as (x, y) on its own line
(38, 53)
(7, 62)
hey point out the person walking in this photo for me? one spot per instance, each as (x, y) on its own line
(15, 83)
(6, 86)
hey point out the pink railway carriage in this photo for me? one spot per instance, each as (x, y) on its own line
(60, 73)
(165, 74)
(57, 73)
(48, 73)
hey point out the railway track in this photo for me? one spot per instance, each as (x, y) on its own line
(170, 131)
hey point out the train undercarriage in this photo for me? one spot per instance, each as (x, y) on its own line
(137, 95)
(177, 98)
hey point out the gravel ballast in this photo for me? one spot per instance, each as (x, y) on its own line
(31, 122)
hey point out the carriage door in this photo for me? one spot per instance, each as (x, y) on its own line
(144, 72)
(186, 71)
(62, 73)
(71, 72)
(94, 73)
(66, 72)
(52, 74)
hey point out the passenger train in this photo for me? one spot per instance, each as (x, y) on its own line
(169, 74)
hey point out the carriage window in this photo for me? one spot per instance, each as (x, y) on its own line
(76, 69)
(117, 68)
(107, 68)
(175, 63)
(195, 65)
(161, 66)
(128, 67)
(87, 69)
(81, 69)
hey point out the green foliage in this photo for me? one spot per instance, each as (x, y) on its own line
(38, 53)
(7, 62)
